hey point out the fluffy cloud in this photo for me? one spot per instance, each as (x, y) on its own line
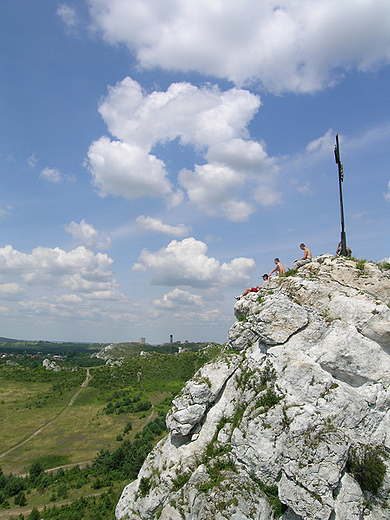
(211, 187)
(51, 175)
(186, 263)
(295, 46)
(156, 225)
(47, 286)
(323, 145)
(213, 122)
(266, 195)
(247, 157)
(199, 116)
(175, 299)
(11, 291)
(87, 235)
(126, 170)
(77, 271)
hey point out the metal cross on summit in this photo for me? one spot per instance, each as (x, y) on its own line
(343, 251)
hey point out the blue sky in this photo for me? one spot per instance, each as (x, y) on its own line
(156, 156)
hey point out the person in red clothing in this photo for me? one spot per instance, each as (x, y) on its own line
(252, 289)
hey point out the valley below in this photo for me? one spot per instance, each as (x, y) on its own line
(65, 425)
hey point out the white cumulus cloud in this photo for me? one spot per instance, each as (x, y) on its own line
(78, 271)
(186, 263)
(51, 175)
(156, 225)
(127, 170)
(211, 121)
(11, 291)
(196, 115)
(87, 235)
(175, 299)
(212, 188)
(291, 46)
(248, 157)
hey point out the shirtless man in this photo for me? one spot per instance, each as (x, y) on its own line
(305, 259)
(279, 269)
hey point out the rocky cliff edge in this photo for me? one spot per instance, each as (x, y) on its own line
(292, 420)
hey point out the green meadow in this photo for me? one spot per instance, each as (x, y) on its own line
(67, 422)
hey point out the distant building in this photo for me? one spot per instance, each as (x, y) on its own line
(142, 341)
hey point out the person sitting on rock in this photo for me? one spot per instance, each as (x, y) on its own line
(279, 269)
(305, 259)
(252, 289)
(348, 250)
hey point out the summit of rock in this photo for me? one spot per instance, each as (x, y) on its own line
(269, 429)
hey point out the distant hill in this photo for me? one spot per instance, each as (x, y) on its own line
(14, 346)
(131, 349)
(103, 350)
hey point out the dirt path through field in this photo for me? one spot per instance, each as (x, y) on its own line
(37, 432)
(84, 385)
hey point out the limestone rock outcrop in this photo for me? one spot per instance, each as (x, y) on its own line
(270, 428)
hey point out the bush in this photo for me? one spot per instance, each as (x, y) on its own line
(181, 480)
(143, 406)
(290, 272)
(34, 515)
(36, 470)
(268, 400)
(62, 491)
(20, 499)
(384, 266)
(365, 464)
(360, 264)
(127, 428)
(272, 495)
(144, 486)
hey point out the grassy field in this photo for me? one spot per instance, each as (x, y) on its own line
(60, 421)
(24, 407)
(73, 433)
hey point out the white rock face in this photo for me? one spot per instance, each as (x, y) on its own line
(266, 430)
(51, 365)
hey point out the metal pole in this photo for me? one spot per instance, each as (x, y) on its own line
(341, 177)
